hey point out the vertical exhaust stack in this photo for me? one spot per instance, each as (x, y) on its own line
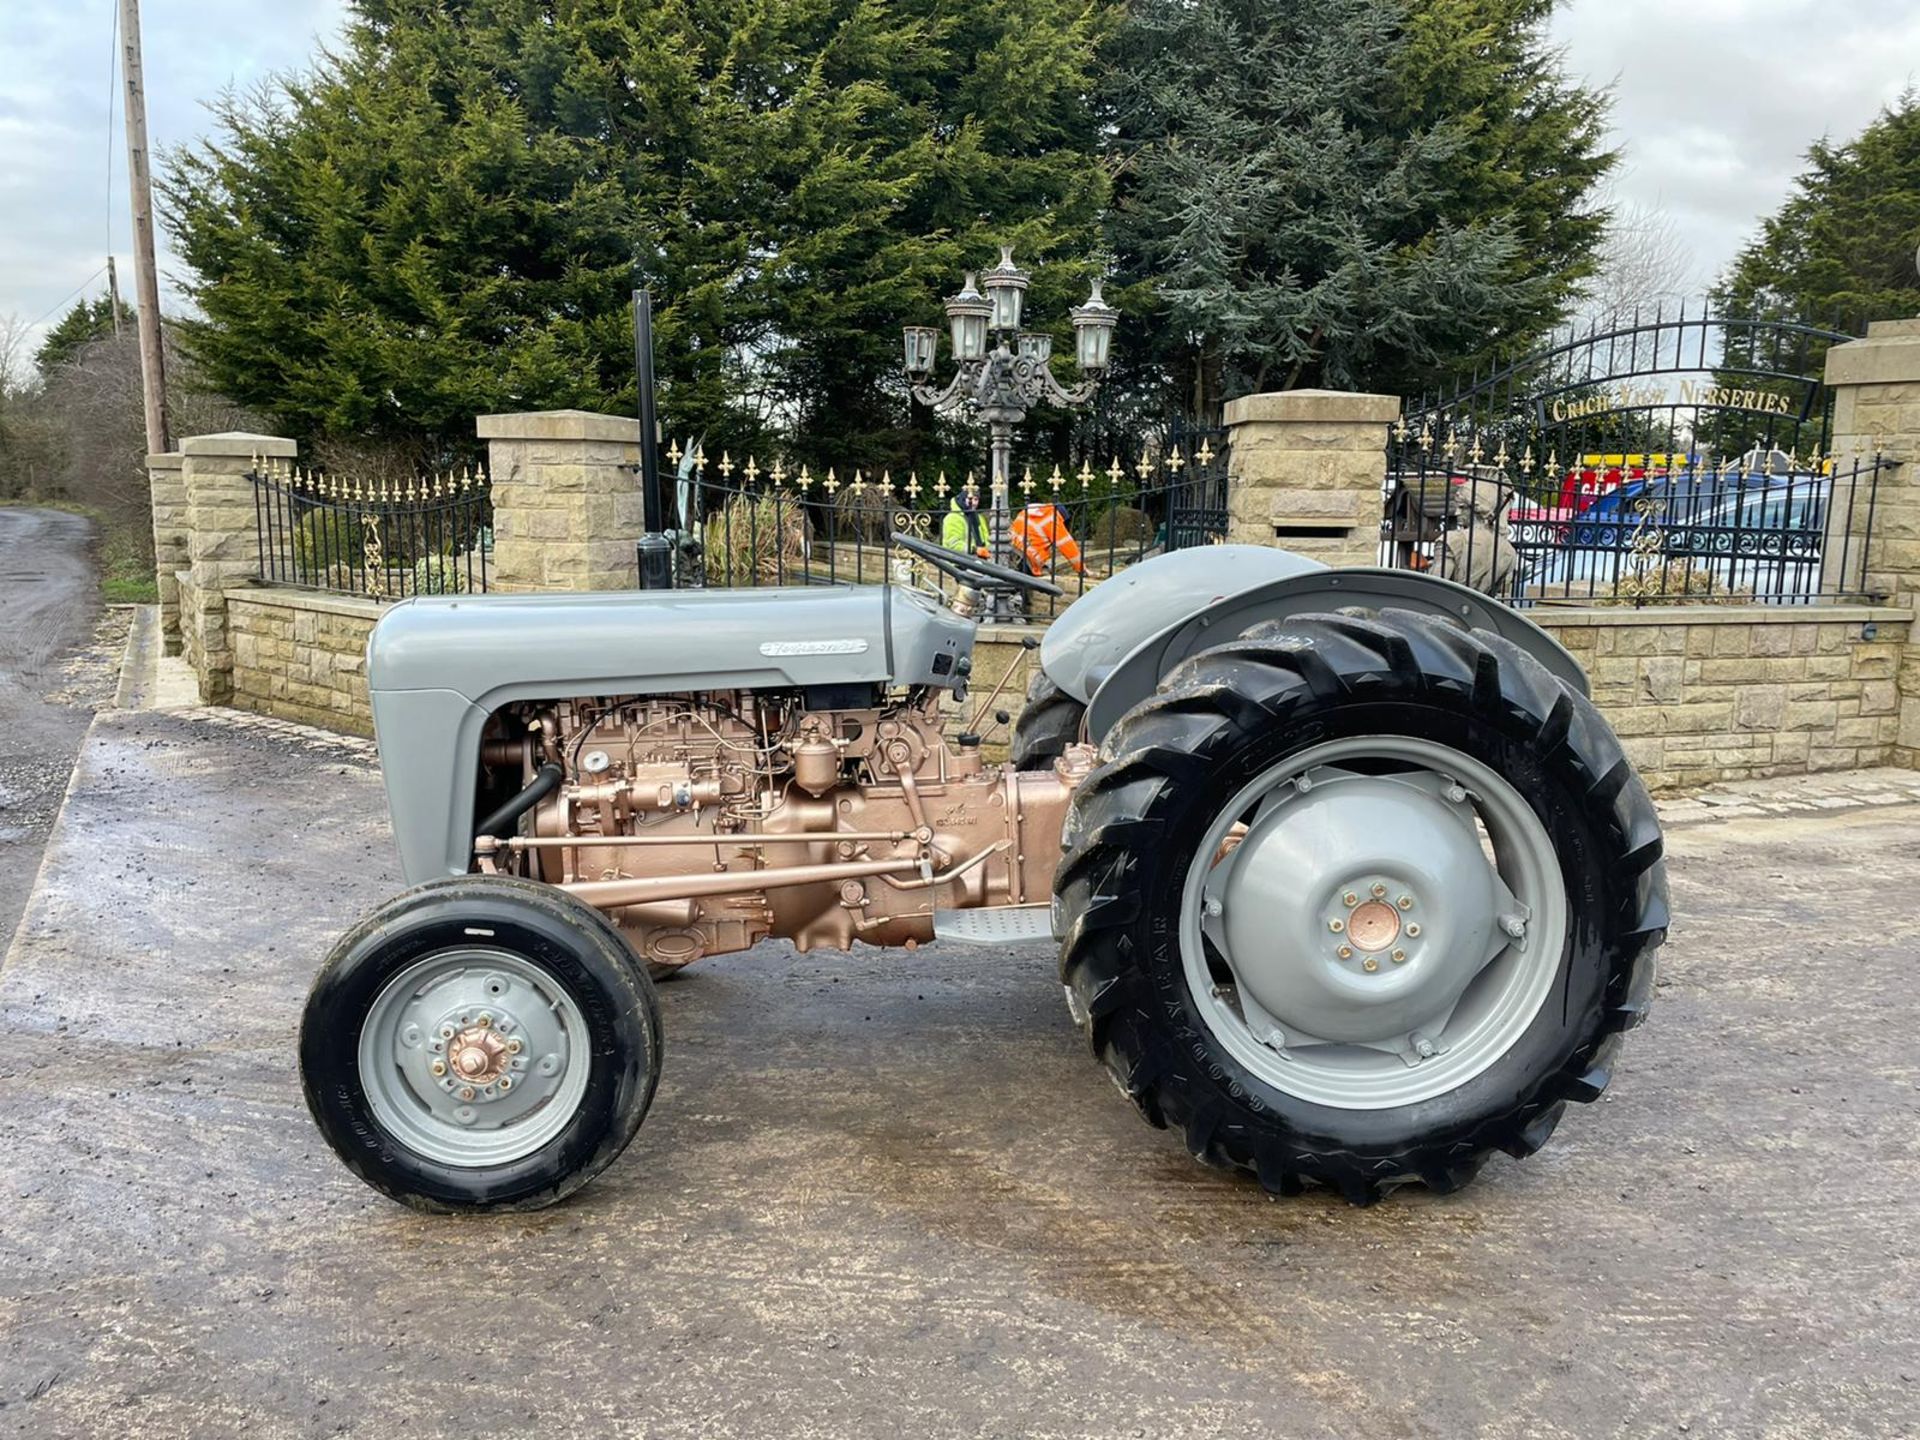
(654, 552)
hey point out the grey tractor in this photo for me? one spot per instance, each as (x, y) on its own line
(1349, 882)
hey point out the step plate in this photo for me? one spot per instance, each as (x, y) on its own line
(995, 924)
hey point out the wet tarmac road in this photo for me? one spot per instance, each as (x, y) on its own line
(48, 602)
(889, 1195)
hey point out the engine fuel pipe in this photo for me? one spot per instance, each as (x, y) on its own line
(500, 822)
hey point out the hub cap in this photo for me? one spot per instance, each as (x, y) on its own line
(1373, 922)
(474, 1057)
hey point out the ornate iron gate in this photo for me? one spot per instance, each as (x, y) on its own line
(1685, 457)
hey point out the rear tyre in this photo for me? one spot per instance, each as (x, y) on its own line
(478, 1044)
(1358, 900)
(1049, 722)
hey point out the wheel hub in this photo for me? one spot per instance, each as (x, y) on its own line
(1358, 908)
(479, 1055)
(1373, 925)
(473, 1057)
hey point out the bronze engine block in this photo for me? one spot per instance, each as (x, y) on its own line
(702, 824)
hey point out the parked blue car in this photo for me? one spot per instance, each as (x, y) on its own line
(1758, 529)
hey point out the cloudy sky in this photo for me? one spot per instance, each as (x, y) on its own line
(1716, 101)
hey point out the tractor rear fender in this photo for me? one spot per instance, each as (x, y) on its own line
(1116, 687)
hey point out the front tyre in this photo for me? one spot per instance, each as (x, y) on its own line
(478, 1044)
(1359, 899)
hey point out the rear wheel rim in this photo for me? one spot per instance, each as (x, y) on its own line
(474, 1057)
(1373, 922)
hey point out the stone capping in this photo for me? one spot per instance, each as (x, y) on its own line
(166, 460)
(558, 425)
(1549, 617)
(1889, 355)
(239, 444)
(1314, 407)
(287, 598)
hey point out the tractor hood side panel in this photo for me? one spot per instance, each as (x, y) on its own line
(438, 668)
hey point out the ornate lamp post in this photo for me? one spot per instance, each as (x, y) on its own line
(1002, 371)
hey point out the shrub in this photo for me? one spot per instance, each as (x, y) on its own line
(325, 541)
(762, 537)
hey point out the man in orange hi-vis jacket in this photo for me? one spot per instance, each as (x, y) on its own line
(1039, 532)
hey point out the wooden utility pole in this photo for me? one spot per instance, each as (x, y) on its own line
(146, 282)
(113, 296)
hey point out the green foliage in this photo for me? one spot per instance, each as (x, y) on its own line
(1838, 253)
(756, 538)
(446, 216)
(1842, 243)
(1351, 193)
(440, 575)
(83, 324)
(325, 540)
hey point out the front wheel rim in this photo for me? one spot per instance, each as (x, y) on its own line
(1373, 922)
(474, 1057)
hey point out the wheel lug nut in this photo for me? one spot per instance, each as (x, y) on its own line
(514, 1047)
(1378, 891)
(1369, 964)
(439, 1067)
(1336, 926)
(506, 1083)
(1413, 929)
(484, 1020)
(1349, 898)
(1399, 957)
(466, 1092)
(1346, 952)
(1406, 902)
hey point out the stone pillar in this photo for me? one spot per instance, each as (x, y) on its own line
(167, 489)
(1876, 395)
(1307, 472)
(566, 500)
(223, 547)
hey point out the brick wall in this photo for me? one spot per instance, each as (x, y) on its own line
(302, 656)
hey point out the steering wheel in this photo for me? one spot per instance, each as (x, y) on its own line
(971, 569)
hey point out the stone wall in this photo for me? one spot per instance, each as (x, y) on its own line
(172, 540)
(566, 500)
(1697, 694)
(1307, 470)
(1700, 694)
(1876, 411)
(302, 656)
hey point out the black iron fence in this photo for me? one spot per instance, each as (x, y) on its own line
(430, 535)
(1675, 455)
(1769, 526)
(743, 524)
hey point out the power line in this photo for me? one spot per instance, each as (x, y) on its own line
(76, 291)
